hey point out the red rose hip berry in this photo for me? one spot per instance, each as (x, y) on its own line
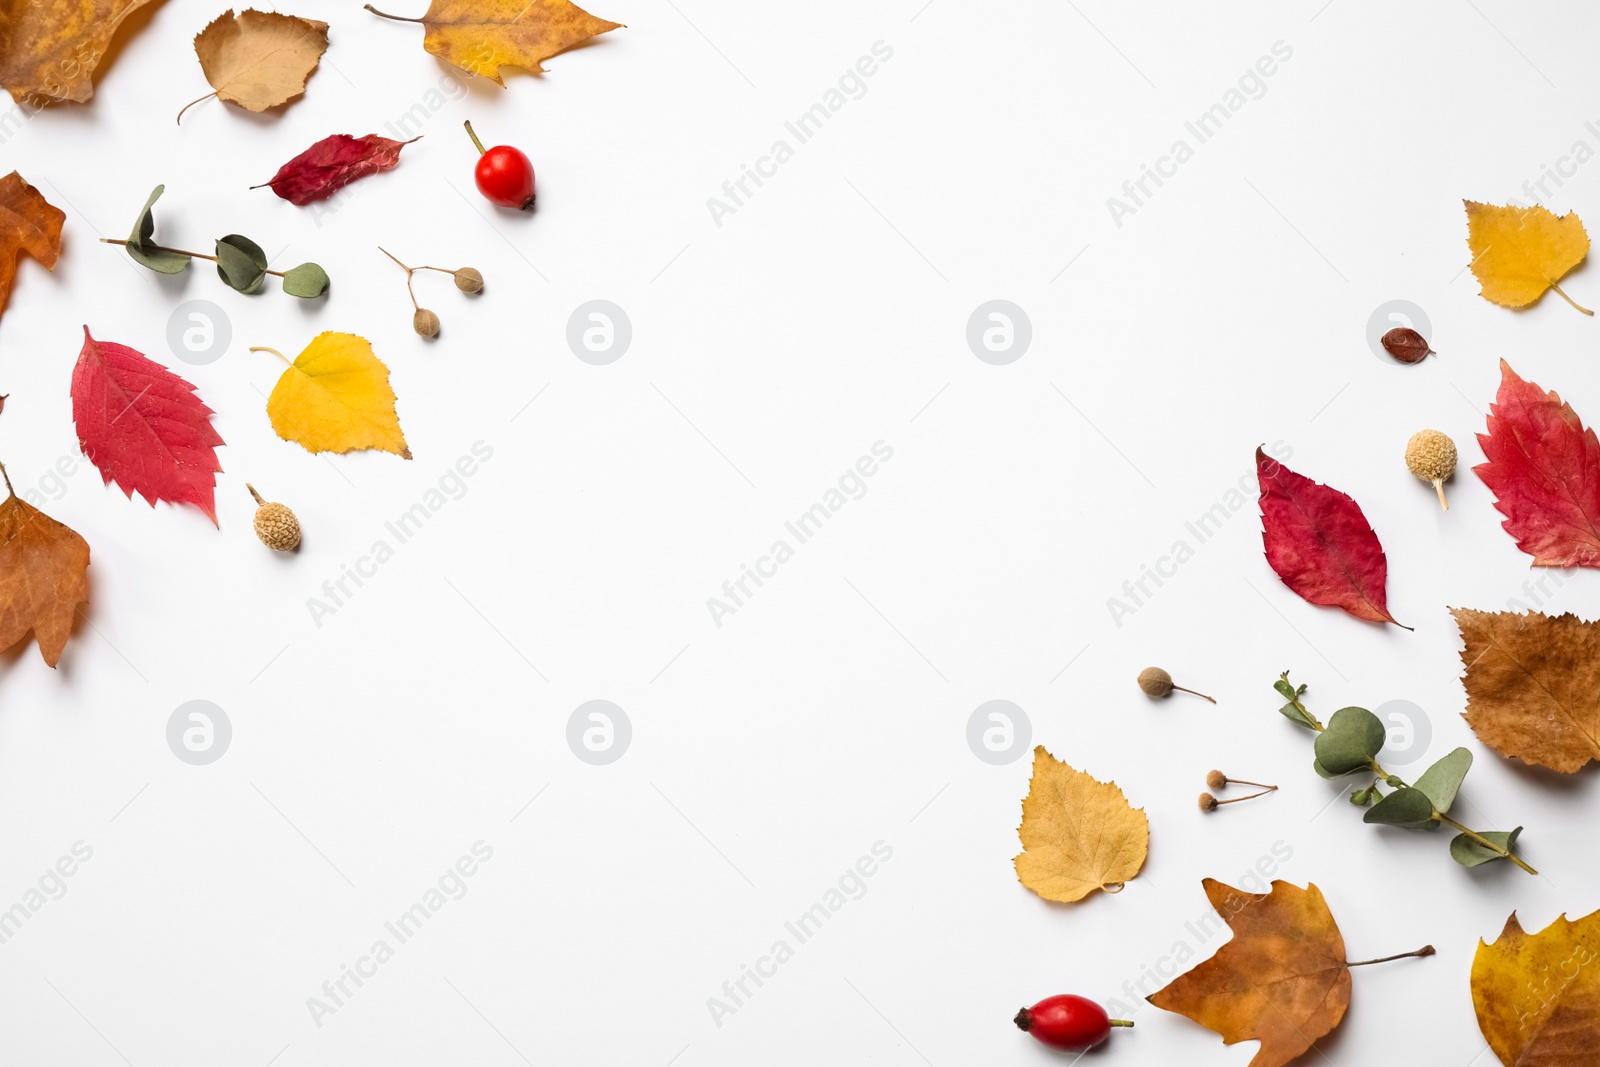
(504, 174)
(1067, 1022)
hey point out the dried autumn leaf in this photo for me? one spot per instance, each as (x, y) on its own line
(49, 49)
(1544, 470)
(1406, 345)
(1319, 542)
(1538, 995)
(144, 427)
(331, 164)
(1533, 685)
(43, 576)
(335, 397)
(481, 36)
(28, 223)
(1519, 252)
(1078, 834)
(1283, 980)
(259, 59)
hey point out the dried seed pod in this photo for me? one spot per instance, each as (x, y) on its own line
(1208, 802)
(1431, 456)
(425, 323)
(1216, 779)
(275, 524)
(469, 280)
(1406, 345)
(1157, 683)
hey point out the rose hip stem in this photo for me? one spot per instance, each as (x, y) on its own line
(474, 136)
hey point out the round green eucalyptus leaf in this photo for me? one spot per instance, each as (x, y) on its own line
(1443, 780)
(1404, 807)
(1352, 738)
(241, 262)
(1467, 852)
(1320, 769)
(305, 281)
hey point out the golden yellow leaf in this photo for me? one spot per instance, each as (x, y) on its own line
(335, 397)
(1078, 834)
(1519, 252)
(49, 49)
(1282, 980)
(259, 59)
(481, 36)
(1538, 995)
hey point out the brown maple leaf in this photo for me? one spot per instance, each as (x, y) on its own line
(28, 223)
(49, 49)
(1533, 685)
(43, 576)
(1283, 980)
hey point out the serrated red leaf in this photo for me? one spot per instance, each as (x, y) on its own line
(1544, 471)
(331, 164)
(1320, 543)
(144, 427)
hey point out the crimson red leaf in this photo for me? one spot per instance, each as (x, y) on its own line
(331, 164)
(1544, 471)
(144, 427)
(1320, 543)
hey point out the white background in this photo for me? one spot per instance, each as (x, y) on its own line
(826, 314)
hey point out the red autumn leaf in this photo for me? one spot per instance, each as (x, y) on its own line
(331, 164)
(1320, 543)
(1544, 471)
(144, 427)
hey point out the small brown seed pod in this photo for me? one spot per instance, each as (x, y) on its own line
(275, 524)
(1431, 456)
(1157, 683)
(469, 280)
(1216, 779)
(1208, 802)
(425, 323)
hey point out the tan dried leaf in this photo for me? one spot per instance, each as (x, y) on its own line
(260, 59)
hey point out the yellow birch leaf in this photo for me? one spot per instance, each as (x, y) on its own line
(335, 397)
(1078, 834)
(1519, 252)
(49, 49)
(481, 36)
(259, 59)
(1538, 995)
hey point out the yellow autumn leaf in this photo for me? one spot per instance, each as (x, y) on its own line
(481, 36)
(335, 397)
(50, 49)
(1538, 995)
(1078, 834)
(1519, 252)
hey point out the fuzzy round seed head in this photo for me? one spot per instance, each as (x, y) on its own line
(1216, 779)
(277, 527)
(469, 280)
(1208, 802)
(1431, 455)
(425, 323)
(1155, 682)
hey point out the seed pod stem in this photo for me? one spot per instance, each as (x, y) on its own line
(1181, 689)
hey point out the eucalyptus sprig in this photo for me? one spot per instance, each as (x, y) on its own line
(240, 261)
(1349, 744)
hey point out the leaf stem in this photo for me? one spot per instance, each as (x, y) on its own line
(1485, 842)
(1425, 950)
(274, 351)
(192, 103)
(1569, 299)
(184, 252)
(386, 15)
(7, 477)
